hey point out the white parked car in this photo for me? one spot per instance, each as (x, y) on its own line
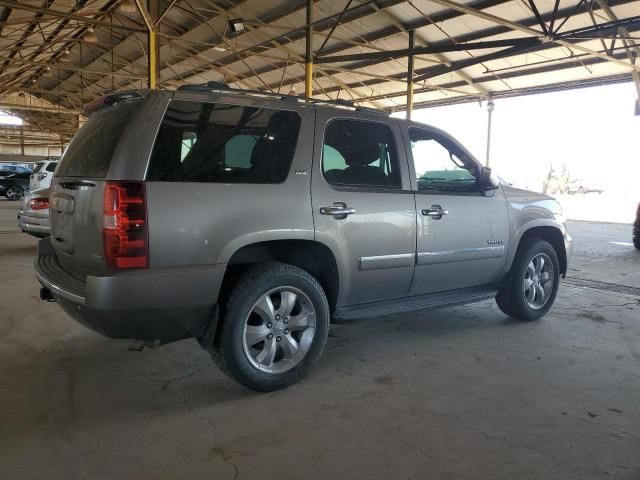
(42, 174)
(582, 186)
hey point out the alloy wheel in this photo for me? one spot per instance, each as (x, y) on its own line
(538, 281)
(279, 330)
(14, 193)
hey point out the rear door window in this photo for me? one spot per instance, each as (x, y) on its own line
(38, 167)
(359, 153)
(91, 149)
(206, 142)
(51, 167)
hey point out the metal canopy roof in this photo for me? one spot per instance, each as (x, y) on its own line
(463, 50)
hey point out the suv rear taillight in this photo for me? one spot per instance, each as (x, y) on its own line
(124, 225)
(38, 203)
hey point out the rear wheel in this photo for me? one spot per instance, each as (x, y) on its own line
(14, 192)
(273, 327)
(532, 285)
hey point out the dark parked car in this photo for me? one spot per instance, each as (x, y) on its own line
(636, 229)
(248, 220)
(13, 183)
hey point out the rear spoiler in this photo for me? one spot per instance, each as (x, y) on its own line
(113, 99)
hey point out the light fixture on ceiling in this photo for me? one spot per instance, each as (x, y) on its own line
(90, 36)
(219, 49)
(292, 91)
(236, 26)
(64, 56)
(127, 6)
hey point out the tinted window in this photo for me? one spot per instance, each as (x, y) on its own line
(51, 167)
(90, 151)
(440, 164)
(38, 167)
(205, 142)
(360, 153)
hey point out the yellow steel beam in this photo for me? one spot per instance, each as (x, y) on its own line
(308, 66)
(153, 60)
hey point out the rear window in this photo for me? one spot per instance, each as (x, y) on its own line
(90, 151)
(206, 142)
(51, 167)
(38, 167)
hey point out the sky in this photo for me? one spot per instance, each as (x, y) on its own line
(6, 119)
(592, 130)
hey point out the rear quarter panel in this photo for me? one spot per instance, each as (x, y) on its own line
(197, 223)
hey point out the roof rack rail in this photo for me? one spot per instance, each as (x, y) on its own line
(340, 102)
(206, 86)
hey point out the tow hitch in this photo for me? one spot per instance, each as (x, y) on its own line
(45, 294)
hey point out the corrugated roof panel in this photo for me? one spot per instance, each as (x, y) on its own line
(275, 33)
(409, 11)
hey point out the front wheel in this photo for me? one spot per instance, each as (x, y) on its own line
(532, 284)
(273, 327)
(14, 193)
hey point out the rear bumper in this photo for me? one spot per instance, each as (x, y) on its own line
(165, 304)
(33, 224)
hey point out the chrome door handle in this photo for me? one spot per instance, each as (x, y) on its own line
(435, 211)
(338, 209)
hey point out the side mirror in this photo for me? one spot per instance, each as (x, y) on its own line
(487, 180)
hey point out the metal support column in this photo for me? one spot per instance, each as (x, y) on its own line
(410, 69)
(490, 107)
(154, 11)
(152, 64)
(308, 65)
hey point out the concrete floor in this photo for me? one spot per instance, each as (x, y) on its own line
(462, 393)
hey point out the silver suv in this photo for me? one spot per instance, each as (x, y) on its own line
(249, 220)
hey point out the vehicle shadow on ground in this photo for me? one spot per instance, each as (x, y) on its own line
(15, 250)
(94, 380)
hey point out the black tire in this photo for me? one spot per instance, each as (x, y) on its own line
(228, 348)
(511, 297)
(14, 193)
(636, 241)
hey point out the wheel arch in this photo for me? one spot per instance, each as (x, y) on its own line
(310, 255)
(550, 233)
